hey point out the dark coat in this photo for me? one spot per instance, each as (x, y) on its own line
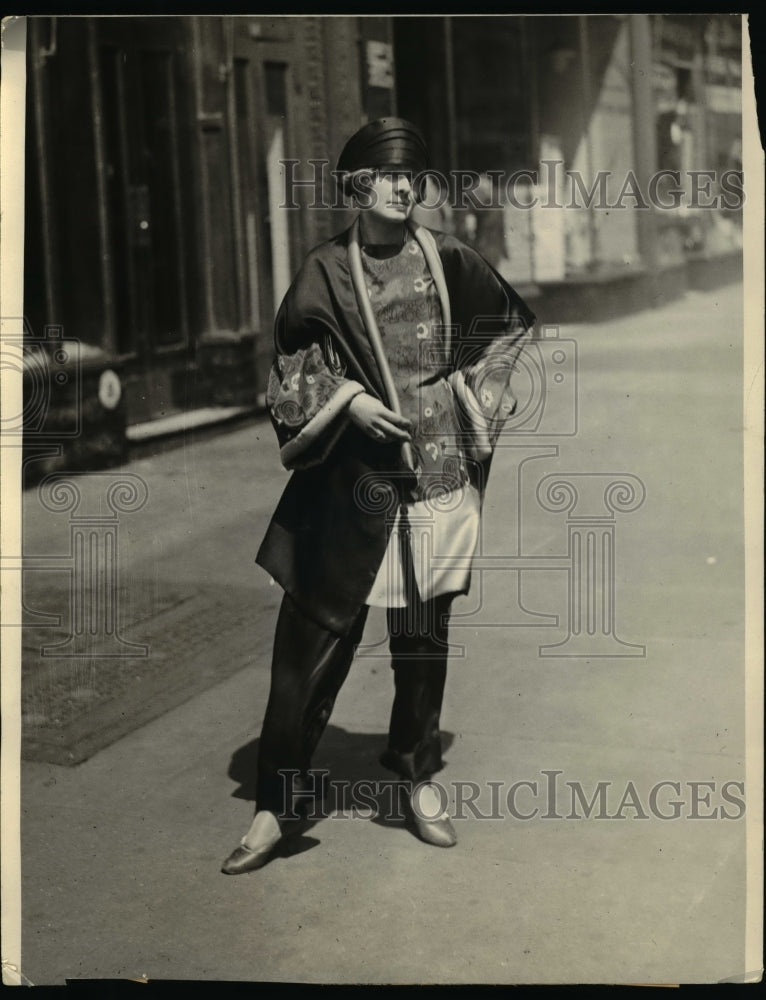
(330, 530)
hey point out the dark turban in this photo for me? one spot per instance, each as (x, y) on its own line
(385, 144)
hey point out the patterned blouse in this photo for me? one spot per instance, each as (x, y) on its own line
(444, 519)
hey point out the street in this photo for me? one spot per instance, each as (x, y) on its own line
(121, 849)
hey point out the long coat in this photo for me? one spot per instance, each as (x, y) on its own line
(330, 530)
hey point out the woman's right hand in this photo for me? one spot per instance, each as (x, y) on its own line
(376, 420)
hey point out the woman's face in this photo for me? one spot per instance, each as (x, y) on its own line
(387, 195)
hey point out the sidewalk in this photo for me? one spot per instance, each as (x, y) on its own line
(121, 853)
(185, 588)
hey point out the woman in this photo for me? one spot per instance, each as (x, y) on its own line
(394, 351)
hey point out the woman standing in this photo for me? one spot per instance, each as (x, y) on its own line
(394, 349)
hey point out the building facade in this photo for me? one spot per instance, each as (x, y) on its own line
(162, 151)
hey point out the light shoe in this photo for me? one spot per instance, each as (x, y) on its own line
(248, 859)
(242, 859)
(438, 831)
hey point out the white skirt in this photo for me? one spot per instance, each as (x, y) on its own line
(444, 533)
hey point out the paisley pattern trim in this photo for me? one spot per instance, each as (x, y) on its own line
(334, 410)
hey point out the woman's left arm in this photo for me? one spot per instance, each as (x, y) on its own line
(493, 326)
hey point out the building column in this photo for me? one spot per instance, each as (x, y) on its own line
(644, 131)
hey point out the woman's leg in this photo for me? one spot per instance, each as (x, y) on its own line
(418, 643)
(418, 640)
(309, 666)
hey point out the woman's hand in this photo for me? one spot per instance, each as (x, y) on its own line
(376, 420)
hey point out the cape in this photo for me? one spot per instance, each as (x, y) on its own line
(330, 530)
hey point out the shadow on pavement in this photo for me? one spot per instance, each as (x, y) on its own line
(350, 773)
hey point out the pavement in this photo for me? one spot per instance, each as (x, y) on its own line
(121, 852)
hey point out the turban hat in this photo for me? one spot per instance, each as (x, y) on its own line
(385, 144)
